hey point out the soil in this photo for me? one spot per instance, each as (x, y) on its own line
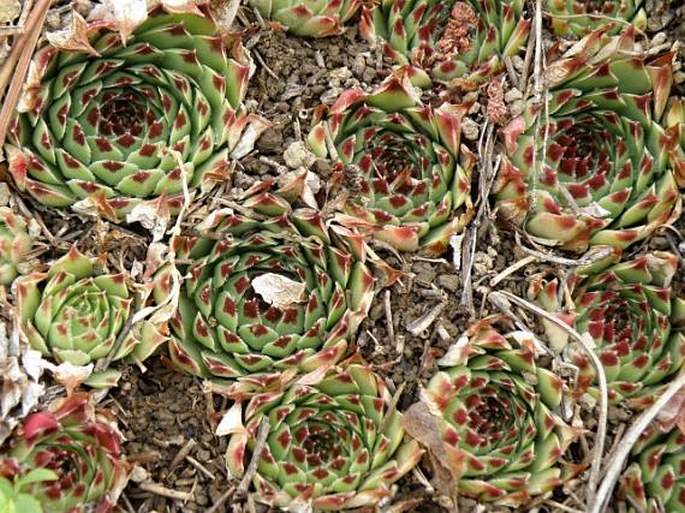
(168, 420)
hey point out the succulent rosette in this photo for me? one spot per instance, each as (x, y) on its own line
(132, 120)
(15, 243)
(313, 18)
(411, 175)
(579, 17)
(79, 452)
(495, 407)
(264, 299)
(79, 313)
(654, 481)
(448, 40)
(636, 320)
(335, 441)
(601, 163)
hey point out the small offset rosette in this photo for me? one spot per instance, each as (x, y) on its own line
(335, 441)
(79, 313)
(635, 318)
(262, 300)
(403, 174)
(602, 162)
(654, 481)
(313, 18)
(495, 410)
(134, 120)
(65, 460)
(15, 243)
(466, 41)
(580, 17)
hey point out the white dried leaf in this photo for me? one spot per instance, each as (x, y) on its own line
(457, 354)
(255, 128)
(33, 363)
(125, 14)
(231, 422)
(148, 214)
(32, 394)
(594, 209)
(70, 376)
(278, 290)
(13, 384)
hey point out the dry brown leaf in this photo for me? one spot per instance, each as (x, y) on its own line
(421, 424)
(75, 38)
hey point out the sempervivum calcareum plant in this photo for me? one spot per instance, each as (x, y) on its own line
(603, 169)
(316, 19)
(78, 450)
(79, 313)
(15, 242)
(404, 174)
(448, 40)
(634, 318)
(335, 441)
(654, 481)
(138, 121)
(580, 17)
(262, 297)
(495, 409)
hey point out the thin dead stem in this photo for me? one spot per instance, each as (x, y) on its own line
(486, 180)
(262, 433)
(17, 64)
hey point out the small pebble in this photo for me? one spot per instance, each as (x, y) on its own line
(512, 94)
(470, 129)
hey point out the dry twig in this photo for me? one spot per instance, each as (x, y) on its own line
(17, 64)
(256, 454)
(162, 491)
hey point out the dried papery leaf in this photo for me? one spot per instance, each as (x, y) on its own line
(9, 10)
(75, 38)
(125, 15)
(153, 215)
(255, 128)
(71, 376)
(278, 290)
(672, 415)
(21, 388)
